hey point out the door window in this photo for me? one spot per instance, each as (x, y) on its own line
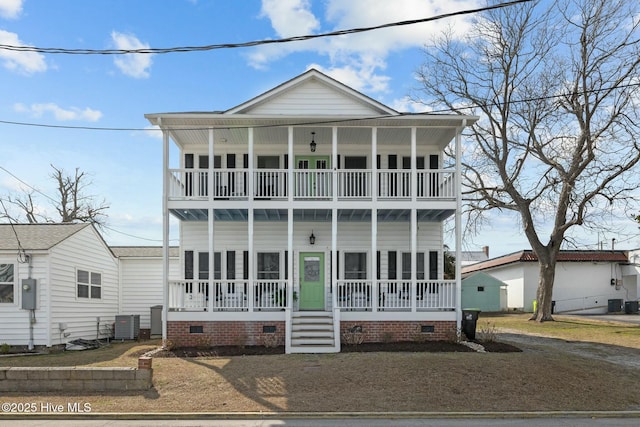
(312, 269)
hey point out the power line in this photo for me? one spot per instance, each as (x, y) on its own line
(326, 122)
(56, 201)
(58, 50)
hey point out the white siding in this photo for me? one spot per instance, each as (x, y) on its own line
(513, 277)
(84, 250)
(314, 98)
(352, 236)
(141, 285)
(14, 321)
(579, 286)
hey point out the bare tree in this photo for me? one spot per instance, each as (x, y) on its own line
(72, 203)
(557, 91)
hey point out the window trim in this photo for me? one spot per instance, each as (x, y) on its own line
(90, 286)
(12, 284)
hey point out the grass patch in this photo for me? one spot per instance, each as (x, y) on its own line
(115, 354)
(569, 328)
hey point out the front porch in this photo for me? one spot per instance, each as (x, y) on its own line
(345, 295)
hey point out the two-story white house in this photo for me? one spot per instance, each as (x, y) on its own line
(306, 213)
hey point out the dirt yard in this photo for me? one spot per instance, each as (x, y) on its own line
(540, 378)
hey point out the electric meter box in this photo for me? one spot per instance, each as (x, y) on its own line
(28, 294)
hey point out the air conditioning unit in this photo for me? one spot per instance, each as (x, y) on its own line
(127, 327)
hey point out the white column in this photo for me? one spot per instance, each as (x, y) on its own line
(374, 258)
(290, 186)
(458, 225)
(334, 162)
(211, 224)
(290, 259)
(374, 220)
(165, 231)
(414, 164)
(414, 265)
(414, 219)
(251, 171)
(251, 289)
(210, 171)
(334, 256)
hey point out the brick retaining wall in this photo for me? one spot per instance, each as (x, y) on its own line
(82, 378)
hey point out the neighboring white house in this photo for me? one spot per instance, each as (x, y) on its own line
(585, 281)
(307, 212)
(140, 278)
(78, 283)
(57, 282)
(472, 257)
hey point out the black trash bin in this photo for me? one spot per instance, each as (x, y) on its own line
(631, 307)
(469, 322)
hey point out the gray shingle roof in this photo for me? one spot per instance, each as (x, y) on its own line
(142, 251)
(36, 236)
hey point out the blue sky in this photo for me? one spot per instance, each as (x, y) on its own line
(116, 91)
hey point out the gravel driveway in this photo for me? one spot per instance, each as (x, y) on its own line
(625, 356)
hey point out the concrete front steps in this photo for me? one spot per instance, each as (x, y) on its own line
(312, 332)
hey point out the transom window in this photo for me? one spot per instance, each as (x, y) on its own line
(6, 283)
(89, 284)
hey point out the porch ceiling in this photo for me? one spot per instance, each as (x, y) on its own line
(194, 130)
(313, 215)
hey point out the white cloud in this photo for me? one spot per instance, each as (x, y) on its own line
(290, 17)
(10, 9)
(131, 64)
(21, 62)
(361, 55)
(59, 113)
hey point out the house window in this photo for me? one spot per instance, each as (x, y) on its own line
(268, 265)
(406, 266)
(6, 283)
(480, 288)
(355, 265)
(203, 265)
(89, 284)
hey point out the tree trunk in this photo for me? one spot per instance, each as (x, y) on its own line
(544, 295)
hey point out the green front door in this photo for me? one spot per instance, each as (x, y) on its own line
(311, 281)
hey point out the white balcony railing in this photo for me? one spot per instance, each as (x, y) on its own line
(273, 184)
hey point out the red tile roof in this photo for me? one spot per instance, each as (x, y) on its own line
(563, 256)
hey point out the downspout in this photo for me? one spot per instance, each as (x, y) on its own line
(458, 225)
(32, 312)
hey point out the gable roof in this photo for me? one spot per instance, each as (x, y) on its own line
(482, 279)
(36, 236)
(321, 86)
(563, 256)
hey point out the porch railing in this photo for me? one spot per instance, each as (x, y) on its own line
(227, 295)
(193, 184)
(395, 295)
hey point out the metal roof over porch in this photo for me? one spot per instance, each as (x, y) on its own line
(312, 215)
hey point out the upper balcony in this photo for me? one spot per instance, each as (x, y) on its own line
(311, 185)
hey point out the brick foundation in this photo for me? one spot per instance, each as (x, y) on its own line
(187, 333)
(224, 333)
(400, 331)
